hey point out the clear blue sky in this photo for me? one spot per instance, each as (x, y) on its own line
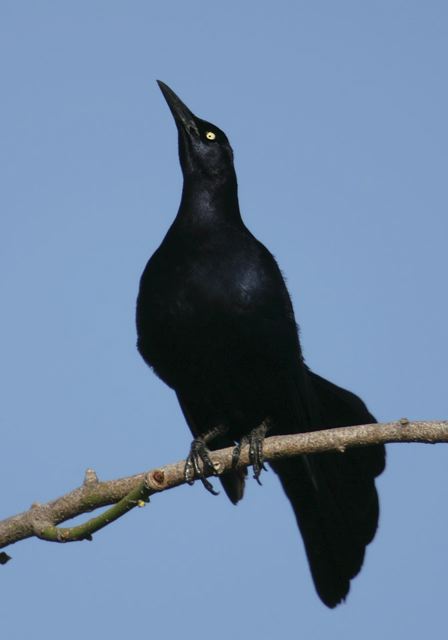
(337, 113)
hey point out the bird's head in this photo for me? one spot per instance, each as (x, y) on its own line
(204, 150)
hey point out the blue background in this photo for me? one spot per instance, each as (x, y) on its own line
(337, 114)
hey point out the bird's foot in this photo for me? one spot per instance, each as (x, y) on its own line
(198, 464)
(255, 441)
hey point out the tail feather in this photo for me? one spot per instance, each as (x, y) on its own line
(333, 496)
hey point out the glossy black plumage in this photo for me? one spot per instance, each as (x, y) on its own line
(215, 322)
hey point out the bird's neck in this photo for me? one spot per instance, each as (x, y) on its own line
(210, 202)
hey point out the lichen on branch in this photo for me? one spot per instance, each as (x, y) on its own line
(42, 520)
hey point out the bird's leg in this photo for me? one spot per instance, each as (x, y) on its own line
(199, 463)
(255, 441)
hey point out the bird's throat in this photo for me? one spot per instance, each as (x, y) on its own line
(210, 202)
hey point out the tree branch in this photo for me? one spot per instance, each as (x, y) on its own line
(126, 493)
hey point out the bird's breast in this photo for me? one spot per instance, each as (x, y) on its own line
(196, 307)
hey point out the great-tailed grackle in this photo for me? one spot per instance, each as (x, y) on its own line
(216, 323)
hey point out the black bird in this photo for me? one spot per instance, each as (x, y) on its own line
(216, 323)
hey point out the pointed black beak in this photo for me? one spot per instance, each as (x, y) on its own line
(181, 113)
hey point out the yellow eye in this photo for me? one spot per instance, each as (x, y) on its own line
(210, 135)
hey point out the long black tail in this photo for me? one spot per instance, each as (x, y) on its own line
(334, 496)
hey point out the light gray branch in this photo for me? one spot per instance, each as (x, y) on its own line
(126, 493)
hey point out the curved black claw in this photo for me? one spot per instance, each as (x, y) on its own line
(255, 441)
(198, 464)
